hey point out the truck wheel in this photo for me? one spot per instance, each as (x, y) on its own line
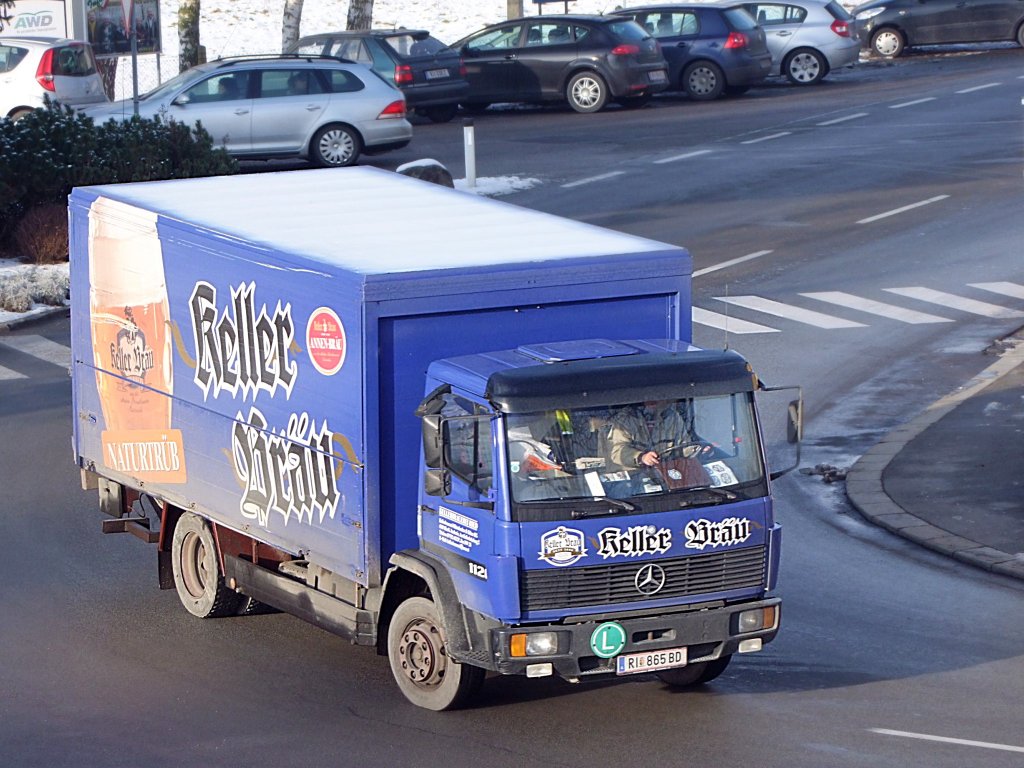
(196, 567)
(425, 674)
(694, 674)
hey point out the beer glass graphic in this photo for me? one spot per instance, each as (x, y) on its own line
(129, 314)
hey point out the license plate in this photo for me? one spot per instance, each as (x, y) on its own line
(436, 74)
(650, 661)
(657, 76)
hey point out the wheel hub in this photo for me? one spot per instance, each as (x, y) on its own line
(586, 93)
(421, 655)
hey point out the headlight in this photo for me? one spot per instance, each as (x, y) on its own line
(870, 13)
(534, 644)
(756, 620)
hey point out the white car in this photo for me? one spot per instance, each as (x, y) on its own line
(322, 109)
(807, 38)
(34, 67)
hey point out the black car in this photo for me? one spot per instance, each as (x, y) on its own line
(429, 73)
(585, 60)
(711, 48)
(888, 27)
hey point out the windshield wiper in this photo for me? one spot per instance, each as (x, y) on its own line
(621, 504)
(721, 494)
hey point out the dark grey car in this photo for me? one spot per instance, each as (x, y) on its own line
(584, 60)
(888, 27)
(711, 48)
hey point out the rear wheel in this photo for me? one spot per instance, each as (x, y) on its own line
(805, 67)
(425, 673)
(196, 567)
(694, 674)
(586, 92)
(703, 81)
(335, 146)
(17, 114)
(1020, 35)
(888, 43)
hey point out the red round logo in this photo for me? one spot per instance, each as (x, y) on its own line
(325, 340)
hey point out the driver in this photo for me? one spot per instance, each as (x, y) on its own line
(644, 434)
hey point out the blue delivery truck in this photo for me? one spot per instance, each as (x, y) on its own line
(471, 435)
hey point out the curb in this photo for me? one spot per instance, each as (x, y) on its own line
(30, 317)
(866, 491)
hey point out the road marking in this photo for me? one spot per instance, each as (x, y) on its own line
(912, 103)
(730, 263)
(767, 138)
(806, 316)
(956, 302)
(843, 119)
(728, 324)
(686, 156)
(948, 740)
(905, 208)
(978, 88)
(40, 347)
(1006, 289)
(592, 179)
(879, 308)
(6, 374)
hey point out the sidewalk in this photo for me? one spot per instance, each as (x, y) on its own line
(952, 479)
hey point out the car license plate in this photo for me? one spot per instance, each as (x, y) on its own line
(650, 661)
(436, 74)
(657, 76)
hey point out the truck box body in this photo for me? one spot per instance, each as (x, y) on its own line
(252, 348)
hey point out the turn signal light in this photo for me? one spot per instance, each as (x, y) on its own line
(44, 72)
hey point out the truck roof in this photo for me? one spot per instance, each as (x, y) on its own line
(342, 216)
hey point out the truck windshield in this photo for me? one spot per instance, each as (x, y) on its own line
(650, 455)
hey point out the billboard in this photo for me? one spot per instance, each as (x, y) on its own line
(108, 26)
(37, 18)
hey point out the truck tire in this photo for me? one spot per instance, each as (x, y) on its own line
(425, 673)
(694, 674)
(196, 567)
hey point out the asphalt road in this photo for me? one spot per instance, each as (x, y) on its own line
(858, 192)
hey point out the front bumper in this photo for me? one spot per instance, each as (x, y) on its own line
(707, 634)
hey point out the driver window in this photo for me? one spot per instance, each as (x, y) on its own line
(496, 39)
(227, 87)
(467, 437)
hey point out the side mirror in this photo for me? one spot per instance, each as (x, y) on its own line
(795, 423)
(181, 100)
(432, 446)
(437, 482)
(781, 437)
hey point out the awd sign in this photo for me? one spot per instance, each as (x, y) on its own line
(38, 17)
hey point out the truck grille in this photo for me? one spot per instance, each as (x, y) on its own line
(607, 584)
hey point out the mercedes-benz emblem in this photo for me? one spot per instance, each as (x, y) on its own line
(649, 579)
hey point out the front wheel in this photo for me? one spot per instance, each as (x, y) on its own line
(335, 146)
(887, 43)
(196, 568)
(703, 81)
(586, 92)
(805, 67)
(694, 674)
(1020, 35)
(426, 675)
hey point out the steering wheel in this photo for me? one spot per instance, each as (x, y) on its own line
(685, 450)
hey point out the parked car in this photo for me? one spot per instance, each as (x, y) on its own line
(322, 109)
(584, 60)
(428, 72)
(807, 38)
(889, 27)
(711, 48)
(32, 68)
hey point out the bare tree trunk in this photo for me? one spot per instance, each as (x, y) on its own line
(107, 67)
(6, 6)
(188, 34)
(360, 14)
(291, 22)
(515, 9)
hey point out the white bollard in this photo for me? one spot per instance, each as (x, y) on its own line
(470, 145)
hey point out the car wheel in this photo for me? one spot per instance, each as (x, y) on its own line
(888, 43)
(1020, 35)
(335, 146)
(805, 67)
(703, 81)
(586, 92)
(441, 114)
(634, 102)
(17, 114)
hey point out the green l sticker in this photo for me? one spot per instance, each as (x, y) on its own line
(608, 639)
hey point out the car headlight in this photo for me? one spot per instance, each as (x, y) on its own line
(870, 13)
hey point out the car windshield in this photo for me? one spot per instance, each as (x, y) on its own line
(174, 84)
(706, 448)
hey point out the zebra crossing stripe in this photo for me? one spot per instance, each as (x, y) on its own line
(953, 301)
(879, 308)
(40, 347)
(728, 324)
(6, 374)
(1006, 289)
(800, 315)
